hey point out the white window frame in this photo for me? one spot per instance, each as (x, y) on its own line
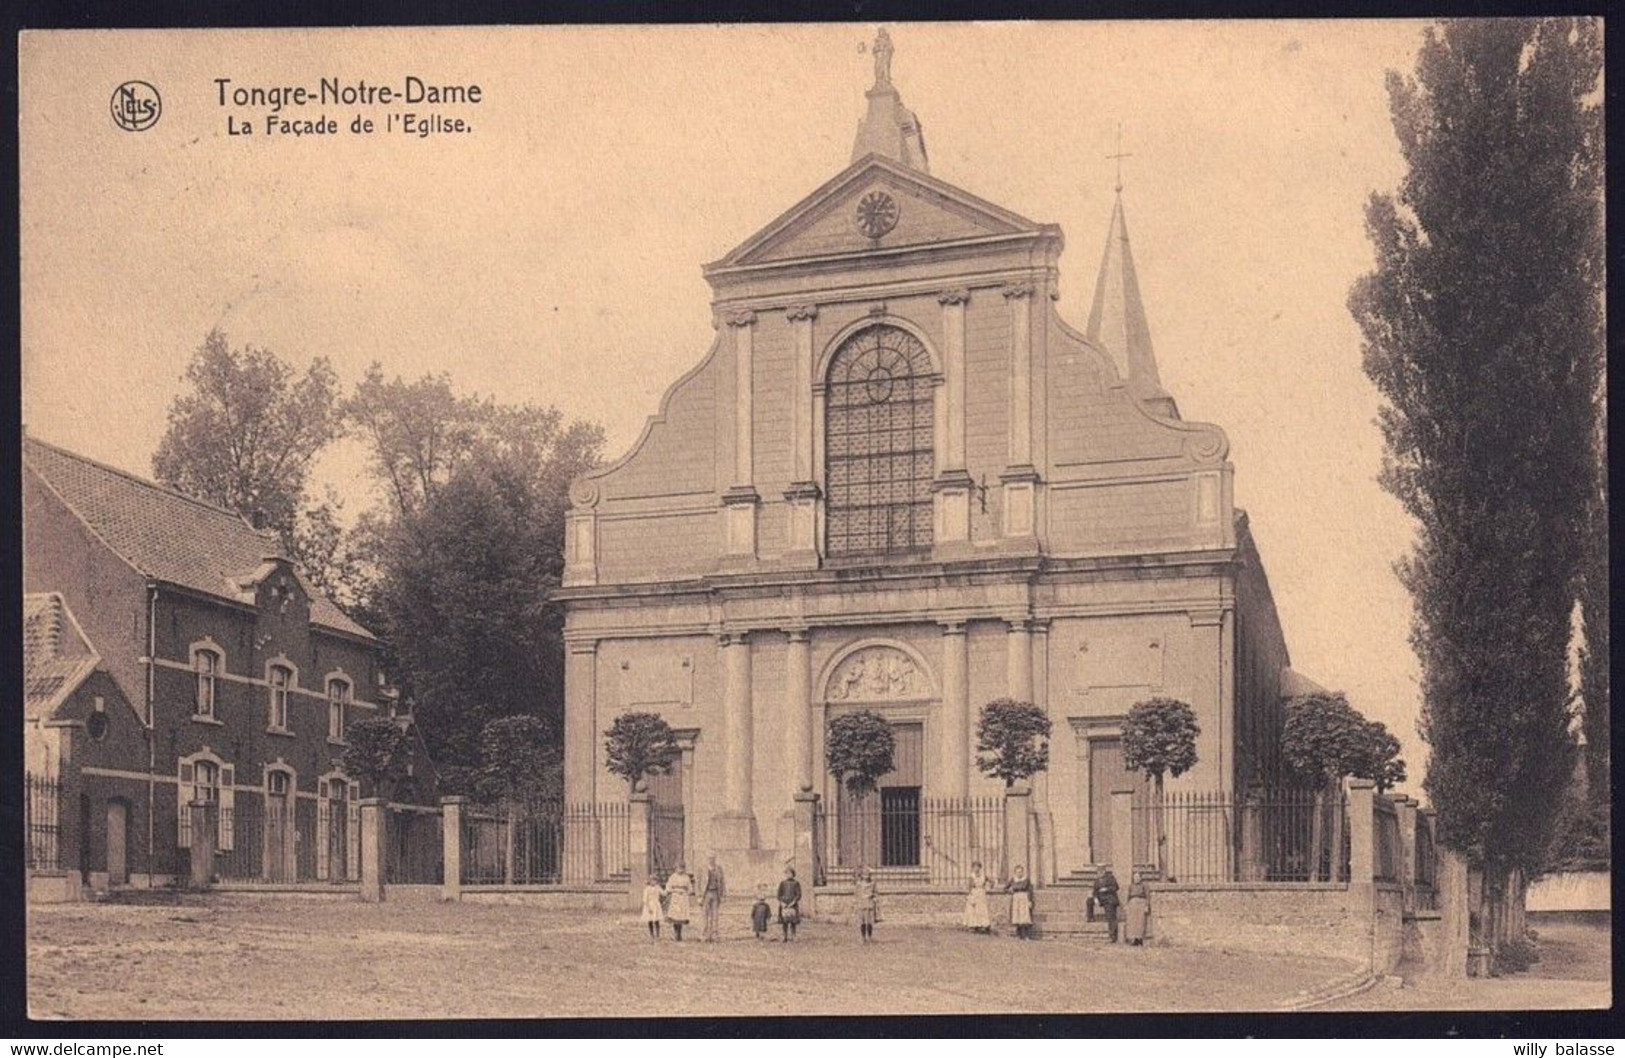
(222, 792)
(280, 695)
(338, 706)
(210, 679)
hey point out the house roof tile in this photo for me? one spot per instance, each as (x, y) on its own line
(167, 535)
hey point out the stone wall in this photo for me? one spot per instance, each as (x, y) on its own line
(1572, 891)
(1328, 919)
(1387, 928)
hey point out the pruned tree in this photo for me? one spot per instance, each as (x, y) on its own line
(1324, 740)
(377, 751)
(516, 759)
(639, 744)
(1483, 332)
(858, 750)
(1159, 738)
(1012, 740)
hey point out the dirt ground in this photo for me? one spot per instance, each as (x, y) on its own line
(1573, 974)
(232, 958)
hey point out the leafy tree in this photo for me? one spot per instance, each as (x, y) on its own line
(1325, 739)
(516, 762)
(377, 752)
(468, 552)
(1594, 615)
(1483, 332)
(858, 749)
(639, 744)
(1159, 737)
(1381, 762)
(246, 433)
(1012, 740)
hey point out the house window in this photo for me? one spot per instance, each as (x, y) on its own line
(277, 784)
(207, 665)
(281, 678)
(338, 701)
(212, 783)
(878, 434)
(206, 781)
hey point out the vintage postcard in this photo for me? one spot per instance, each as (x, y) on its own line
(708, 520)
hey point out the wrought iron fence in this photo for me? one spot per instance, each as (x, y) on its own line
(545, 843)
(414, 852)
(42, 798)
(908, 839)
(265, 840)
(1262, 835)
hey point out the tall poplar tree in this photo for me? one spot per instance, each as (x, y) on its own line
(1483, 332)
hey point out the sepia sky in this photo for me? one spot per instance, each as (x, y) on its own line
(553, 253)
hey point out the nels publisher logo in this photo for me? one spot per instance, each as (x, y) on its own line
(136, 106)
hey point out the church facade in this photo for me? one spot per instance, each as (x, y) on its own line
(899, 481)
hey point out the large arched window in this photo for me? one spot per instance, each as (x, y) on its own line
(878, 458)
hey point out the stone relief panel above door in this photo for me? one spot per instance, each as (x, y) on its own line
(877, 674)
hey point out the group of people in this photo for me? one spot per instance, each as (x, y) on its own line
(978, 916)
(1106, 895)
(1137, 912)
(673, 902)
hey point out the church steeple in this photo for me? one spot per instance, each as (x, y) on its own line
(889, 128)
(1117, 318)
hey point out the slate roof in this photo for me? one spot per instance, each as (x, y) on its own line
(167, 535)
(56, 655)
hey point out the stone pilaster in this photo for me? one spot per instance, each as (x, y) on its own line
(740, 501)
(953, 485)
(580, 720)
(1019, 660)
(955, 764)
(1020, 478)
(640, 864)
(734, 828)
(803, 493)
(798, 711)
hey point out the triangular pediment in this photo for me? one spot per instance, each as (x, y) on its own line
(928, 211)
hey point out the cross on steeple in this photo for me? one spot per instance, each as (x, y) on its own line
(1119, 156)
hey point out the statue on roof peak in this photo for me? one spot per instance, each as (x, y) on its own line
(883, 53)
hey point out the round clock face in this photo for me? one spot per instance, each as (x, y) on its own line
(877, 214)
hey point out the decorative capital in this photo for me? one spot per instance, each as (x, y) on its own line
(953, 628)
(797, 635)
(956, 296)
(581, 646)
(802, 312)
(739, 318)
(733, 639)
(1017, 290)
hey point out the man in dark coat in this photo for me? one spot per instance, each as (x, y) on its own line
(1106, 899)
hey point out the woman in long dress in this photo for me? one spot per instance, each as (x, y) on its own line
(976, 915)
(1020, 888)
(1137, 913)
(679, 888)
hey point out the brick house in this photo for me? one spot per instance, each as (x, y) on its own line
(174, 654)
(899, 481)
